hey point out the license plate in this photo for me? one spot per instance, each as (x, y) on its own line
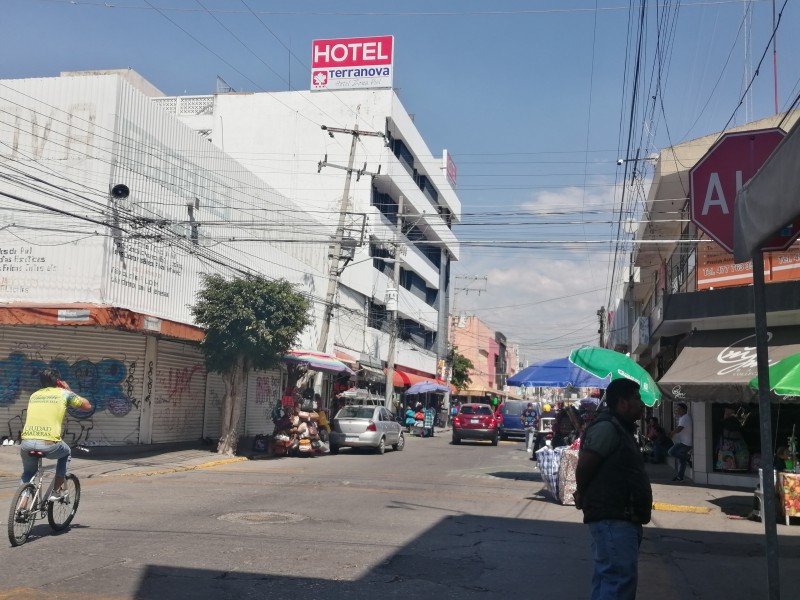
(351, 438)
(474, 420)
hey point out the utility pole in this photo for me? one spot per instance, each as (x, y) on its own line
(335, 254)
(392, 300)
(601, 316)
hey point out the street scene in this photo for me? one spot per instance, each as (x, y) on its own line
(432, 521)
(428, 300)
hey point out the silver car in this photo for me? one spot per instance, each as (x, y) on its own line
(366, 427)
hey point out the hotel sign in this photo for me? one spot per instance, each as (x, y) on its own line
(352, 63)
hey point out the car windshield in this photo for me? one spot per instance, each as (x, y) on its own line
(356, 412)
(476, 410)
(513, 409)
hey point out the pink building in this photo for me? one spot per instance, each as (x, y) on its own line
(494, 361)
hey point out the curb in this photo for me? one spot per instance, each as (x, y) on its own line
(206, 465)
(667, 507)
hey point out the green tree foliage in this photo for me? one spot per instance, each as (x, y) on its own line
(250, 323)
(461, 368)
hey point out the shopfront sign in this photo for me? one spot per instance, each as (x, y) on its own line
(352, 63)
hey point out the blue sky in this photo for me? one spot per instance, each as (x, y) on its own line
(533, 98)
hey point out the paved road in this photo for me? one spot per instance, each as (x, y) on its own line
(433, 521)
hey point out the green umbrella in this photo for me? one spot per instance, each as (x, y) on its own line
(784, 377)
(602, 362)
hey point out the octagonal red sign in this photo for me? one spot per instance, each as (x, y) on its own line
(723, 170)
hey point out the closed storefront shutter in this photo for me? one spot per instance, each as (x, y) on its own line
(107, 367)
(180, 393)
(263, 394)
(215, 392)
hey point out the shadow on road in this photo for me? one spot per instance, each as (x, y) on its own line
(473, 557)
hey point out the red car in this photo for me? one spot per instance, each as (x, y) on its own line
(475, 422)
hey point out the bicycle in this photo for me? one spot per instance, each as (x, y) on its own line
(29, 504)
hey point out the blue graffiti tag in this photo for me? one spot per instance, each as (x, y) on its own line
(100, 382)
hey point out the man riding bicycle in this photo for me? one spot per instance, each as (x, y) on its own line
(42, 431)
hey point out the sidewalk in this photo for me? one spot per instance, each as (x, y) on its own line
(116, 461)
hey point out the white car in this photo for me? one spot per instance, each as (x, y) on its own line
(362, 426)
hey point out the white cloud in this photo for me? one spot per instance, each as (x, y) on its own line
(544, 298)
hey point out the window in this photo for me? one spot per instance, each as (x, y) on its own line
(403, 154)
(356, 412)
(475, 409)
(385, 204)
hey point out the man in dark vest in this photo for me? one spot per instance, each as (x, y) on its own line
(614, 492)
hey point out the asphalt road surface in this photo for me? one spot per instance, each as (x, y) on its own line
(433, 521)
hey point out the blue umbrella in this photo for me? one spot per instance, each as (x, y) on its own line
(424, 387)
(556, 373)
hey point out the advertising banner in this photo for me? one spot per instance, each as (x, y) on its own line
(352, 63)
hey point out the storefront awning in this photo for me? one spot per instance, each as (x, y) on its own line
(404, 378)
(716, 366)
(488, 392)
(372, 374)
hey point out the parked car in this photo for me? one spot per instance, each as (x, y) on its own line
(363, 426)
(508, 417)
(475, 422)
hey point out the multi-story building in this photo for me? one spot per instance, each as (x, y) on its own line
(113, 209)
(303, 143)
(687, 316)
(493, 359)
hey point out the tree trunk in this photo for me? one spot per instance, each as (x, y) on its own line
(232, 407)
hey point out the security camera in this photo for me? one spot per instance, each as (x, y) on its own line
(620, 161)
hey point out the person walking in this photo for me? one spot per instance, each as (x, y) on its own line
(614, 493)
(529, 418)
(682, 438)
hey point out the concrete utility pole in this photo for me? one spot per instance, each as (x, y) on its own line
(393, 299)
(335, 267)
(601, 316)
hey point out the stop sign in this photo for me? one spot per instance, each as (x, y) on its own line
(723, 170)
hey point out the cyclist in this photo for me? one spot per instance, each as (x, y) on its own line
(42, 431)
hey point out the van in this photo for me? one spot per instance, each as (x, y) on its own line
(508, 414)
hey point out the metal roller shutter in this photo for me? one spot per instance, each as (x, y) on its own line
(215, 392)
(264, 390)
(105, 366)
(180, 393)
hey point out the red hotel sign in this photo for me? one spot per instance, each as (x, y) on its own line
(352, 63)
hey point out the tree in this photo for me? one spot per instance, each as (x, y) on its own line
(251, 323)
(461, 368)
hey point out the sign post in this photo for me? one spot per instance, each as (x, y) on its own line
(714, 183)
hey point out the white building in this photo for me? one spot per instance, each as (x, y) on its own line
(110, 211)
(280, 138)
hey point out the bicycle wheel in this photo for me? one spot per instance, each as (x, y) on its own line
(21, 515)
(60, 512)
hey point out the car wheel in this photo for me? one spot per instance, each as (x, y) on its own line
(494, 440)
(334, 449)
(456, 439)
(381, 446)
(504, 436)
(401, 443)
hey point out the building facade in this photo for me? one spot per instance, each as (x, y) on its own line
(396, 192)
(112, 210)
(686, 314)
(493, 359)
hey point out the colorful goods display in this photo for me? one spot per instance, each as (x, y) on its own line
(297, 432)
